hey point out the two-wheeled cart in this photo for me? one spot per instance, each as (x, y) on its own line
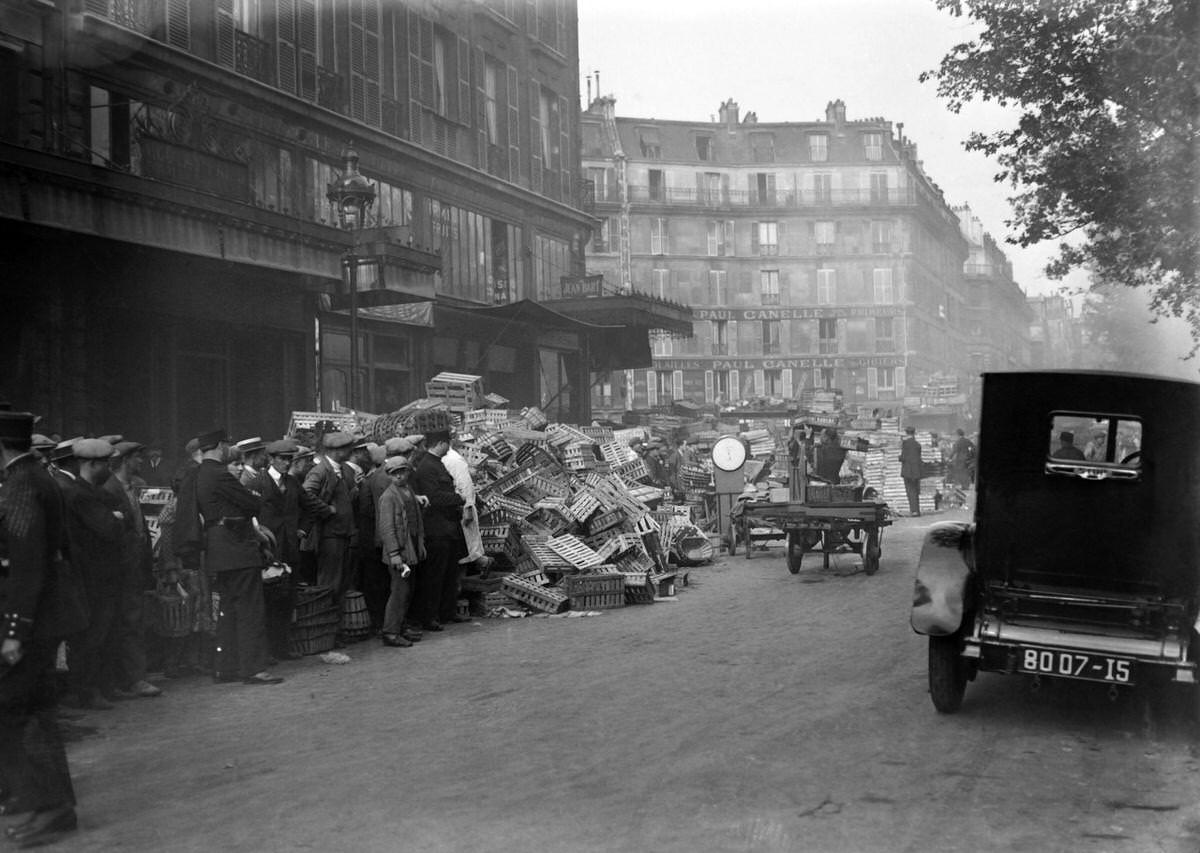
(853, 526)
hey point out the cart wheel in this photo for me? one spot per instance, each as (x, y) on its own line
(795, 552)
(947, 673)
(871, 551)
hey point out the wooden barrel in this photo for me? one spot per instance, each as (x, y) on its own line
(356, 621)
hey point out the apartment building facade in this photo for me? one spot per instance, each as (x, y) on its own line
(814, 254)
(164, 167)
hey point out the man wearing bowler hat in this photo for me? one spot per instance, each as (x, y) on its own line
(331, 484)
(231, 545)
(41, 603)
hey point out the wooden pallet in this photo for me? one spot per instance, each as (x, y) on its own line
(574, 552)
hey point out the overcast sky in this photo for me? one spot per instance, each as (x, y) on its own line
(785, 59)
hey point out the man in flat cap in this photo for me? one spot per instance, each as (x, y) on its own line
(233, 555)
(437, 584)
(95, 527)
(373, 580)
(331, 484)
(127, 644)
(284, 505)
(41, 603)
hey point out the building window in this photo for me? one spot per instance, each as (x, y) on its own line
(600, 182)
(600, 237)
(763, 188)
(657, 185)
(824, 378)
(763, 147)
(773, 383)
(547, 108)
(664, 384)
(490, 120)
(885, 334)
(659, 279)
(766, 238)
(818, 147)
(704, 149)
(771, 337)
(719, 238)
(717, 286)
(881, 236)
(709, 187)
(769, 286)
(660, 345)
(651, 146)
(823, 188)
(659, 236)
(885, 294)
(879, 187)
(873, 146)
(824, 233)
(886, 380)
(720, 337)
(827, 336)
(721, 384)
(826, 287)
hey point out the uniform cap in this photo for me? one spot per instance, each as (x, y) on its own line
(16, 426)
(249, 445)
(335, 440)
(283, 447)
(395, 463)
(192, 446)
(92, 448)
(210, 440)
(398, 446)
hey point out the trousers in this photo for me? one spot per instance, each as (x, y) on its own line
(912, 487)
(396, 612)
(87, 658)
(33, 762)
(241, 628)
(332, 559)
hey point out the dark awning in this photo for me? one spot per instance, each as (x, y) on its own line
(637, 310)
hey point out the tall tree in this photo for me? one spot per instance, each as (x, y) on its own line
(1106, 151)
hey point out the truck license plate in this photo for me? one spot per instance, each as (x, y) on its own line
(1076, 665)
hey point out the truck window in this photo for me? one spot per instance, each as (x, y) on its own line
(1086, 439)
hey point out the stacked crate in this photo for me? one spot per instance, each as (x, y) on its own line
(459, 392)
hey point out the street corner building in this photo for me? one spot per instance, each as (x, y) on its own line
(174, 260)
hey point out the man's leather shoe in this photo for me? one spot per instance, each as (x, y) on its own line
(44, 828)
(434, 626)
(12, 806)
(396, 641)
(263, 678)
(411, 635)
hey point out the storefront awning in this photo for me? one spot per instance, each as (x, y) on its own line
(635, 310)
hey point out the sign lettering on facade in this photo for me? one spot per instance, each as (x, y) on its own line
(800, 362)
(586, 285)
(796, 313)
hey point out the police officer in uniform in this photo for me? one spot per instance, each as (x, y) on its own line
(232, 550)
(41, 602)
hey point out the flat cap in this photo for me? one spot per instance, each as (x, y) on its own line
(1068, 437)
(64, 450)
(395, 463)
(210, 440)
(283, 447)
(92, 448)
(41, 442)
(192, 446)
(249, 445)
(378, 452)
(334, 440)
(124, 448)
(396, 446)
(112, 439)
(303, 452)
(417, 438)
(362, 442)
(16, 426)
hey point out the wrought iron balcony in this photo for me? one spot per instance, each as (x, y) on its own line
(252, 57)
(779, 198)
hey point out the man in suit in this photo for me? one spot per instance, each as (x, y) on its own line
(910, 469)
(331, 484)
(154, 469)
(94, 533)
(127, 648)
(284, 505)
(37, 591)
(254, 458)
(228, 509)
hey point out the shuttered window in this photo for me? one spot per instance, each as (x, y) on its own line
(285, 45)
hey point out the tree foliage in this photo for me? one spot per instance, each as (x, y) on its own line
(1106, 150)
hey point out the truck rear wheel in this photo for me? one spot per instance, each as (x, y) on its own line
(947, 673)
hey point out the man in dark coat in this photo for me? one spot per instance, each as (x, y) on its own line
(127, 644)
(233, 556)
(910, 469)
(41, 603)
(331, 484)
(94, 534)
(284, 505)
(443, 531)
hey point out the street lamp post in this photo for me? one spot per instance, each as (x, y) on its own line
(351, 197)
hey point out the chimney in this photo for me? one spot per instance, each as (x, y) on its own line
(835, 111)
(729, 113)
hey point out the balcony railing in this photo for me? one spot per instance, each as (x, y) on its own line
(252, 57)
(693, 197)
(720, 349)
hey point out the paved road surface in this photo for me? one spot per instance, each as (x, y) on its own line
(760, 712)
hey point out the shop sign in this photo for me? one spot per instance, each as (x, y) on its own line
(583, 285)
(800, 363)
(796, 313)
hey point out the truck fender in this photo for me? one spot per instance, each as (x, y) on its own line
(945, 565)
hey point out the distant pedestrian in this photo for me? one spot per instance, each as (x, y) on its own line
(910, 469)
(962, 460)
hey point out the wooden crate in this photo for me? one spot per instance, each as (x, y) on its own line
(574, 552)
(539, 598)
(595, 592)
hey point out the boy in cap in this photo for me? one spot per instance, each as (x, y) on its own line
(35, 617)
(402, 538)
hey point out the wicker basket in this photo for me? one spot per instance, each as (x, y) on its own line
(172, 614)
(315, 638)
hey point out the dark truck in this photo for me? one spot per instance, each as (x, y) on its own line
(1083, 558)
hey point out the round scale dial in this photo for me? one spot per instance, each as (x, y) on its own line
(729, 453)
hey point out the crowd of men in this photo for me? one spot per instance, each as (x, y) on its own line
(245, 524)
